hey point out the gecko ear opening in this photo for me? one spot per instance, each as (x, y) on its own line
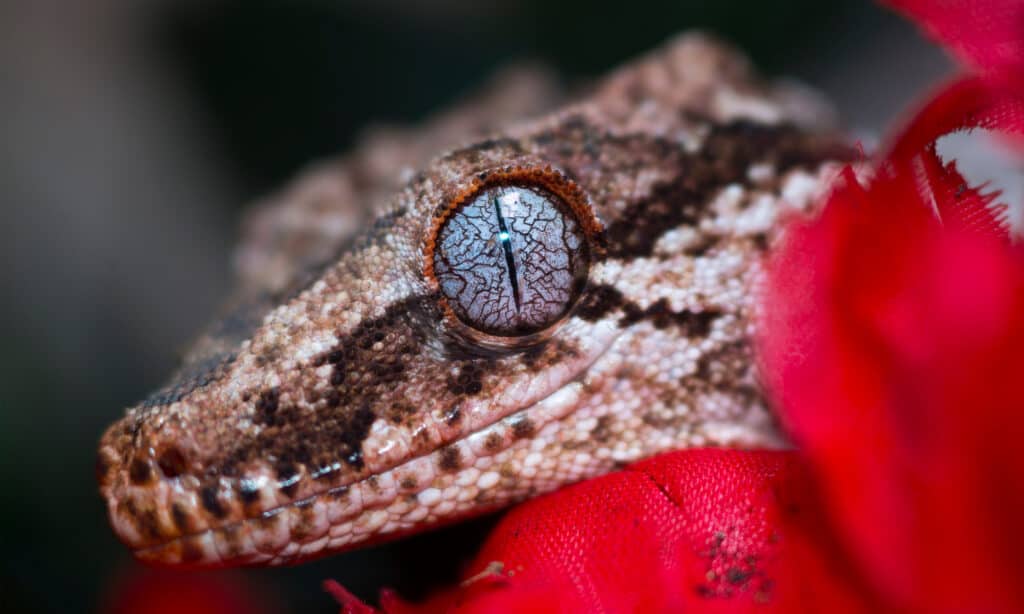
(509, 257)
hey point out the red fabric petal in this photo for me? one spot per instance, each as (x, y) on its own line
(968, 104)
(988, 34)
(688, 530)
(892, 344)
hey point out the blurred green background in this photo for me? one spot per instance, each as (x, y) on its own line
(134, 132)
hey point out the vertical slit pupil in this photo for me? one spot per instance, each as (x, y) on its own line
(506, 245)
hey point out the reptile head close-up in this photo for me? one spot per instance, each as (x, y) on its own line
(429, 329)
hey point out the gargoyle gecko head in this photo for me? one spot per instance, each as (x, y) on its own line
(528, 311)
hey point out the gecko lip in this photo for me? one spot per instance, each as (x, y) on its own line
(342, 516)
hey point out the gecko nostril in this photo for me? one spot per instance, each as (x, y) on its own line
(140, 472)
(172, 462)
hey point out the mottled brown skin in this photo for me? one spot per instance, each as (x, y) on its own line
(340, 364)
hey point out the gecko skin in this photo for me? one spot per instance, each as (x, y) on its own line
(536, 308)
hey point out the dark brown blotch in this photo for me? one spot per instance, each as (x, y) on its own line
(660, 314)
(603, 430)
(352, 438)
(494, 443)
(598, 302)
(146, 521)
(287, 477)
(531, 356)
(724, 158)
(171, 462)
(181, 518)
(208, 497)
(449, 459)
(248, 492)
(140, 472)
(469, 380)
(365, 384)
(523, 428)
(266, 406)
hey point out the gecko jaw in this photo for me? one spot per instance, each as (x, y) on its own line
(428, 490)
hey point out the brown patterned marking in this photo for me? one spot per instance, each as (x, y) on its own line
(449, 459)
(598, 301)
(408, 483)
(287, 477)
(703, 245)
(532, 355)
(523, 427)
(494, 443)
(147, 523)
(663, 420)
(181, 518)
(550, 353)
(602, 431)
(305, 520)
(171, 462)
(361, 377)
(266, 406)
(725, 364)
(208, 497)
(724, 158)
(469, 380)
(399, 412)
(693, 324)
(140, 472)
(218, 345)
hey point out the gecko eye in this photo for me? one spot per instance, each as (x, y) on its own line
(511, 260)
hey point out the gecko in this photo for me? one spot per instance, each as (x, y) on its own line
(520, 294)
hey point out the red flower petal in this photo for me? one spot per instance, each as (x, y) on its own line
(692, 529)
(988, 34)
(968, 104)
(892, 345)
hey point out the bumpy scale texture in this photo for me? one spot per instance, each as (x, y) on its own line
(337, 403)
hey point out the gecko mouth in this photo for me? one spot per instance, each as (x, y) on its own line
(469, 475)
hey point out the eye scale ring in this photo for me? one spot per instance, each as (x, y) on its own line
(509, 256)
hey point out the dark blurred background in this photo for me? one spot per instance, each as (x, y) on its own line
(135, 131)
